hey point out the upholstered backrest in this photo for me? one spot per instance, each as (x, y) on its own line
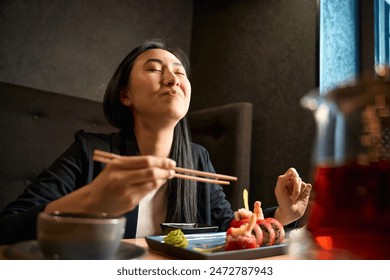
(226, 132)
(36, 127)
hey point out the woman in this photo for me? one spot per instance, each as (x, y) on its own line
(147, 98)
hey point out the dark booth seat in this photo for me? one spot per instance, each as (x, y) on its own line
(37, 126)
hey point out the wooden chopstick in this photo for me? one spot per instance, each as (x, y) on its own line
(205, 174)
(105, 157)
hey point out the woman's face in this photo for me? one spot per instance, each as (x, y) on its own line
(158, 87)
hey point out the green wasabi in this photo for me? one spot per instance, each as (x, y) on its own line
(176, 237)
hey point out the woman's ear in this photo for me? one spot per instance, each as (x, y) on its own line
(124, 96)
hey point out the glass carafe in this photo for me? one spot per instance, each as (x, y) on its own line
(349, 216)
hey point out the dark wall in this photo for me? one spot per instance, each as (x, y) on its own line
(73, 47)
(263, 52)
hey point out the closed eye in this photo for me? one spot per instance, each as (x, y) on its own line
(180, 73)
(154, 70)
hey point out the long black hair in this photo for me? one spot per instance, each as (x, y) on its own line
(182, 194)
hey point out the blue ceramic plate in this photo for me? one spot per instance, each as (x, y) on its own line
(211, 246)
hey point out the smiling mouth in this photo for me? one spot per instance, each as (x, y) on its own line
(173, 92)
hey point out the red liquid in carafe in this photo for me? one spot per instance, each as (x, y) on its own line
(351, 210)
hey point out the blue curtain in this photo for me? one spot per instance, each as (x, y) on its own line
(382, 32)
(339, 63)
(338, 42)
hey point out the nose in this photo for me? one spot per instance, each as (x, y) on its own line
(170, 79)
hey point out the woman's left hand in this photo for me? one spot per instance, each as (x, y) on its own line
(292, 195)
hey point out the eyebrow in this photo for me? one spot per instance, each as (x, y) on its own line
(161, 62)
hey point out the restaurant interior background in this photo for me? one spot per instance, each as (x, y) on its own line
(258, 51)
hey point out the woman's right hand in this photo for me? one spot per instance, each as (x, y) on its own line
(292, 195)
(119, 187)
